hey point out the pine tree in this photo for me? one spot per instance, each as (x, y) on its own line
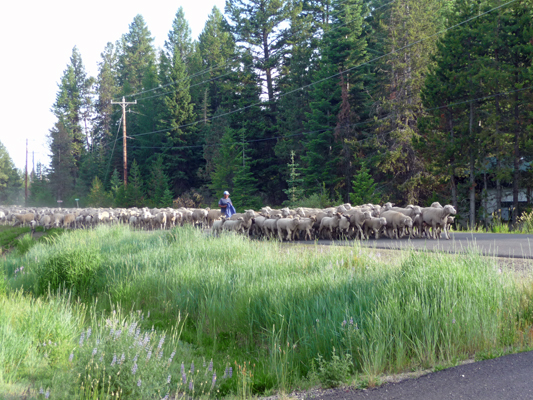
(226, 164)
(158, 183)
(135, 189)
(10, 179)
(98, 197)
(364, 188)
(294, 183)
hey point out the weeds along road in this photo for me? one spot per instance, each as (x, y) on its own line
(506, 378)
(491, 244)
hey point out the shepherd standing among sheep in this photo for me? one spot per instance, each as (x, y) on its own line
(226, 206)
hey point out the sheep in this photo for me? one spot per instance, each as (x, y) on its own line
(248, 217)
(2, 216)
(330, 224)
(161, 219)
(199, 216)
(375, 225)
(233, 225)
(45, 221)
(69, 220)
(357, 219)
(270, 225)
(217, 226)
(434, 216)
(57, 219)
(396, 221)
(133, 221)
(286, 224)
(305, 224)
(23, 219)
(212, 216)
(257, 226)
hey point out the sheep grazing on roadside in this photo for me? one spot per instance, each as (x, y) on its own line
(45, 222)
(330, 224)
(161, 220)
(270, 226)
(357, 219)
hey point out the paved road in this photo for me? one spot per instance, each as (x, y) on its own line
(509, 377)
(503, 245)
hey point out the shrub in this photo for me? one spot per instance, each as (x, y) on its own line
(334, 372)
(70, 268)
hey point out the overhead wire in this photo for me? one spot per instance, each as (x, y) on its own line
(262, 103)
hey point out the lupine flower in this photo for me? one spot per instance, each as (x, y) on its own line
(184, 378)
(41, 391)
(160, 355)
(122, 358)
(132, 328)
(136, 358)
(453, 321)
(114, 359)
(190, 385)
(139, 383)
(161, 343)
(210, 368)
(351, 321)
(94, 351)
(118, 333)
(230, 372)
(182, 368)
(344, 323)
(134, 368)
(149, 355)
(89, 331)
(192, 367)
(166, 397)
(213, 381)
(171, 356)
(71, 357)
(47, 394)
(82, 338)
(97, 342)
(168, 379)
(111, 332)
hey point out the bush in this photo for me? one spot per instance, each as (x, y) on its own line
(71, 268)
(334, 372)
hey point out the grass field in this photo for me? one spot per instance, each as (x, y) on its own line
(106, 311)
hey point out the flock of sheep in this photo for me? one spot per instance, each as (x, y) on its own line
(344, 221)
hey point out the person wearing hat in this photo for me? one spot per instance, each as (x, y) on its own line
(226, 206)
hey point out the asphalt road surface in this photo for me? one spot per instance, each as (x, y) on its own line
(493, 244)
(509, 377)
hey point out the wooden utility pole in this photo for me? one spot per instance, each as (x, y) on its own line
(26, 184)
(123, 104)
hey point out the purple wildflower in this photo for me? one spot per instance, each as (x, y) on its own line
(214, 379)
(139, 382)
(47, 394)
(182, 368)
(89, 331)
(114, 359)
(230, 372)
(191, 385)
(95, 351)
(210, 368)
(192, 367)
(351, 321)
(161, 342)
(122, 358)
(184, 378)
(171, 356)
(41, 391)
(82, 338)
(168, 379)
(344, 323)
(453, 321)
(134, 369)
(71, 357)
(149, 355)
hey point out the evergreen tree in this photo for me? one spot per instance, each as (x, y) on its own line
(294, 183)
(158, 184)
(98, 197)
(62, 162)
(364, 188)
(10, 179)
(179, 38)
(135, 190)
(226, 164)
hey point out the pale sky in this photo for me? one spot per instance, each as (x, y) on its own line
(36, 40)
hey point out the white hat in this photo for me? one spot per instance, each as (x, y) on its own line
(226, 192)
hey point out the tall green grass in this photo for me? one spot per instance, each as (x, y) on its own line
(289, 307)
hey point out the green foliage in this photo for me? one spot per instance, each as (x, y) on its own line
(24, 244)
(75, 269)
(98, 197)
(135, 190)
(294, 183)
(364, 188)
(10, 179)
(334, 372)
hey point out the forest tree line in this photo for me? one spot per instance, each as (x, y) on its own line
(286, 101)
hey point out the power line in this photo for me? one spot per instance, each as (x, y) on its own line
(199, 73)
(261, 103)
